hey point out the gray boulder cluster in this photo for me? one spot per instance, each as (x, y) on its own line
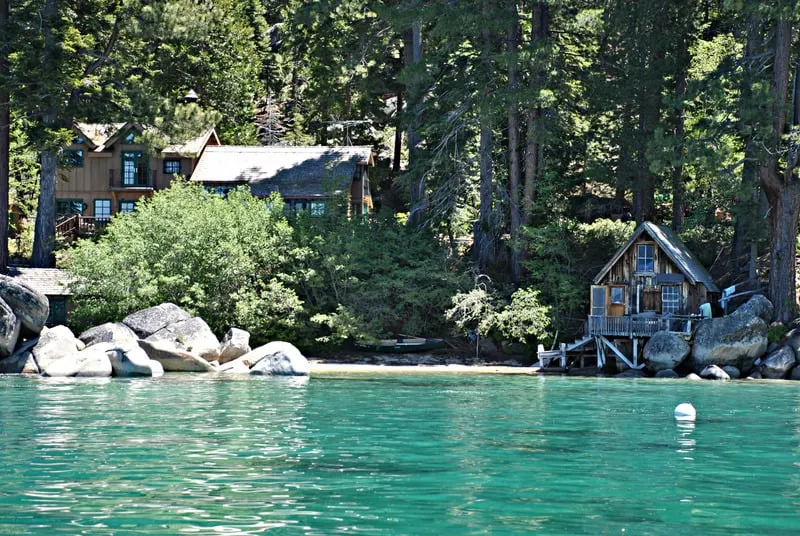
(735, 346)
(164, 338)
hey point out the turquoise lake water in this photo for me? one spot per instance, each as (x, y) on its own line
(188, 454)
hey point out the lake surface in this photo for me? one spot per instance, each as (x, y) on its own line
(189, 454)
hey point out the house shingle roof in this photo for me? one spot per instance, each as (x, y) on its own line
(48, 281)
(102, 135)
(294, 172)
(676, 250)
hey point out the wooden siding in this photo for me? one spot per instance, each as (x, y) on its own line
(93, 180)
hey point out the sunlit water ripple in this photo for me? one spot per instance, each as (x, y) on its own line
(192, 454)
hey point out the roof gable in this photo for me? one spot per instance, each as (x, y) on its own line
(675, 249)
(101, 136)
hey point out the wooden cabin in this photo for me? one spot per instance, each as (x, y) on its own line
(307, 178)
(652, 283)
(108, 168)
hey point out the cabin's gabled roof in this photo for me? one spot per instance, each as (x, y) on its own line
(48, 281)
(676, 250)
(101, 136)
(294, 172)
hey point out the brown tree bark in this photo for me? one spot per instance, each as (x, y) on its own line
(678, 188)
(413, 57)
(398, 135)
(781, 186)
(484, 235)
(513, 143)
(539, 34)
(5, 132)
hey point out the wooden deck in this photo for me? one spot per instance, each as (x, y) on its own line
(636, 326)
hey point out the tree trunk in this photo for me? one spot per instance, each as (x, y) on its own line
(484, 241)
(781, 188)
(678, 189)
(413, 57)
(45, 230)
(5, 133)
(539, 32)
(746, 213)
(398, 135)
(513, 144)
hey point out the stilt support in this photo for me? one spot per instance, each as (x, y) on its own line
(619, 354)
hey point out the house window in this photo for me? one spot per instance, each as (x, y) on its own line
(102, 209)
(133, 172)
(130, 138)
(618, 295)
(73, 158)
(172, 167)
(317, 208)
(644, 258)
(126, 207)
(79, 140)
(69, 207)
(670, 299)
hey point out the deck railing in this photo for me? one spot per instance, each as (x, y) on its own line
(640, 325)
(138, 178)
(71, 227)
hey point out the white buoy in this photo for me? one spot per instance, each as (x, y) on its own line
(685, 412)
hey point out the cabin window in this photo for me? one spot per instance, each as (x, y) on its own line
(133, 169)
(644, 258)
(172, 167)
(73, 158)
(618, 295)
(317, 208)
(69, 207)
(102, 209)
(670, 299)
(130, 138)
(126, 207)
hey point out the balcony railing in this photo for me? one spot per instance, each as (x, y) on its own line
(640, 325)
(139, 178)
(71, 227)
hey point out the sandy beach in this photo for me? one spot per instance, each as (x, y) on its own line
(322, 368)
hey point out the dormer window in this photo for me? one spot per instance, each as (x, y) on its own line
(130, 138)
(79, 140)
(645, 258)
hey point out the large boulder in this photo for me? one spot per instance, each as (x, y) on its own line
(235, 344)
(665, 350)
(128, 361)
(278, 358)
(758, 306)
(147, 321)
(192, 335)
(795, 374)
(9, 329)
(713, 372)
(667, 373)
(108, 332)
(91, 363)
(21, 362)
(156, 369)
(174, 359)
(735, 340)
(30, 307)
(732, 371)
(54, 344)
(778, 364)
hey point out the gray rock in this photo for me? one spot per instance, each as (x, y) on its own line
(795, 374)
(192, 335)
(19, 363)
(9, 329)
(108, 332)
(667, 373)
(755, 375)
(148, 321)
(778, 364)
(692, 376)
(277, 358)
(665, 350)
(631, 373)
(713, 372)
(732, 371)
(793, 341)
(131, 361)
(173, 359)
(156, 369)
(758, 306)
(92, 362)
(54, 344)
(237, 366)
(30, 307)
(235, 344)
(733, 340)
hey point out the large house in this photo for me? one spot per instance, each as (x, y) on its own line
(107, 168)
(307, 178)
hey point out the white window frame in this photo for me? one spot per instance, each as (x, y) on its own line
(316, 208)
(104, 215)
(640, 248)
(670, 302)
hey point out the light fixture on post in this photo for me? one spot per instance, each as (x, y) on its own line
(190, 97)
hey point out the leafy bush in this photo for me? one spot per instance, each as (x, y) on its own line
(221, 259)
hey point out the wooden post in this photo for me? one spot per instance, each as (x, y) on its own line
(636, 352)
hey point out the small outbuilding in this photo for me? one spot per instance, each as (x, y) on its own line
(51, 282)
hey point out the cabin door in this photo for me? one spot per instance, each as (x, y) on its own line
(598, 300)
